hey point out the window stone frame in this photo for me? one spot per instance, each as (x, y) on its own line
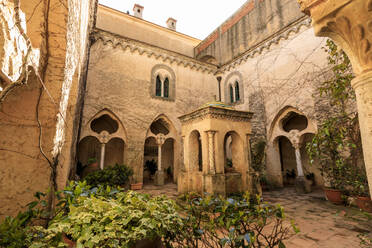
(172, 83)
(230, 80)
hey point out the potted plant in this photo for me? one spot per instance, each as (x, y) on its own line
(229, 166)
(361, 190)
(91, 166)
(290, 176)
(151, 167)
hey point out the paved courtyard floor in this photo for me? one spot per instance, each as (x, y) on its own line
(321, 223)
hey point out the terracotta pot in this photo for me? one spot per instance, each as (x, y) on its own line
(136, 186)
(68, 242)
(333, 195)
(364, 203)
(90, 168)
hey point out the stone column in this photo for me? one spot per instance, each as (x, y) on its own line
(349, 24)
(104, 137)
(159, 175)
(211, 152)
(248, 138)
(300, 171)
(101, 164)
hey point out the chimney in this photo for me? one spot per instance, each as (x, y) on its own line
(138, 10)
(171, 23)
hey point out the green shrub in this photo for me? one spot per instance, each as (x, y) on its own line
(117, 175)
(233, 222)
(117, 222)
(14, 231)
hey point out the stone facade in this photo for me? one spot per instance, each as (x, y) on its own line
(276, 67)
(123, 106)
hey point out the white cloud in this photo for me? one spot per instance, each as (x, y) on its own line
(197, 18)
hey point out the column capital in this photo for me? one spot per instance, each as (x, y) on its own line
(160, 139)
(210, 132)
(104, 137)
(348, 23)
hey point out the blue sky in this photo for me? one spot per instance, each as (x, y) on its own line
(197, 18)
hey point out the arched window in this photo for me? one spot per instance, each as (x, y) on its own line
(231, 93)
(237, 93)
(166, 88)
(158, 86)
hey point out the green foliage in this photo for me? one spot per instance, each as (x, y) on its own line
(337, 145)
(91, 161)
(232, 222)
(151, 166)
(120, 221)
(117, 175)
(14, 230)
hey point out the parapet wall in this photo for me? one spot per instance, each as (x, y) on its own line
(254, 22)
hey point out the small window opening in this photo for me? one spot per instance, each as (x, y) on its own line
(158, 86)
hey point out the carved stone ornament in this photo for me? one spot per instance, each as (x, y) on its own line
(349, 23)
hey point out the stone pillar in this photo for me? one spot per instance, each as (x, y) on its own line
(300, 171)
(159, 175)
(211, 153)
(349, 24)
(104, 137)
(101, 164)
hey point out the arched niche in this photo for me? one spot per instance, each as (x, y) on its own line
(287, 160)
(104, 123)
(114, 152)
(233, 149)
(168, 158)
(294, 121)
(195, 151)
(89, 147)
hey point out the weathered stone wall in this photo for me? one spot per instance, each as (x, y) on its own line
(59, 29)
(254, 22)
(119, 79)
(283, 74)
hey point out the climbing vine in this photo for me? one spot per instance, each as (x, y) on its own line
(337, 145)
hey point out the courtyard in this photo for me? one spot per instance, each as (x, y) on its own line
(321, 223)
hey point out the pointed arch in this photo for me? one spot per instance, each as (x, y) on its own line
(231, 92)
(158, 86)
(166, 88)
(237, 91)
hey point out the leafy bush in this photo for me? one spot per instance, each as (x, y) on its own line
(14, 230)
(117, 175)
(117, 222)
(337, 145)
(151, 166)
(233, 222)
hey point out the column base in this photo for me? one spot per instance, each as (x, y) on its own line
(302, 185)
(159, 178)
(215, 184)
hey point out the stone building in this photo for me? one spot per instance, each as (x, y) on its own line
(141, 77)
(115, 87)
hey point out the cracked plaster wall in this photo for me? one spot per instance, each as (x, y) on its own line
(23, 170)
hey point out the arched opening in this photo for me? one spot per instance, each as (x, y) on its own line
(287, 161)
(114, 152)
(159, 126)
(294, 121)
(150, 160)
(104, 123)
(166, 88)
(168, 159)
(233, 153)
(195, 153)
(158, 86)
(231, 90)
(237, 91)
(89, 147)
